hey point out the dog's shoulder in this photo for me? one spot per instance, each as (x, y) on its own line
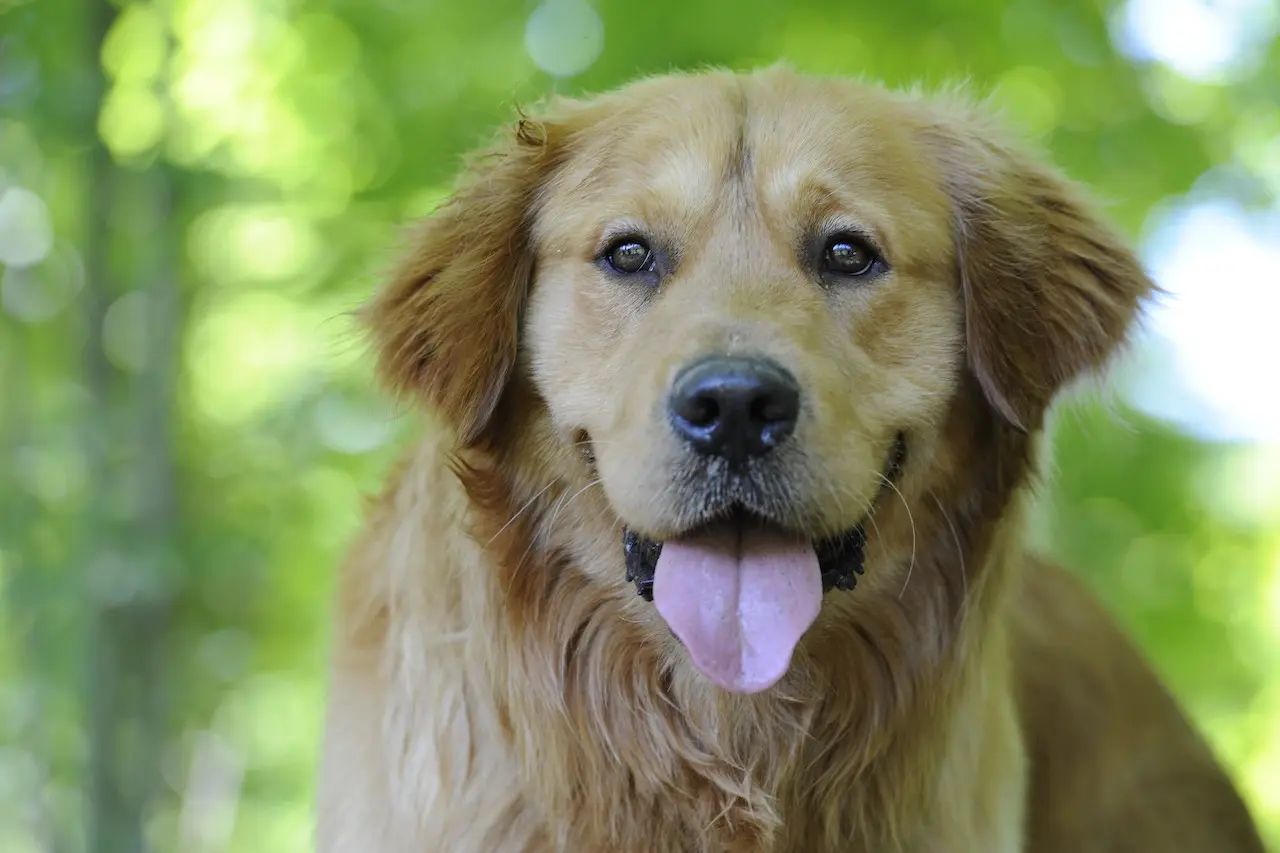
(410, 746)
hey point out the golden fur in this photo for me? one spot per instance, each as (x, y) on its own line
(496, 683)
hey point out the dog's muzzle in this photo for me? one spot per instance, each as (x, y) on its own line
(841, 558)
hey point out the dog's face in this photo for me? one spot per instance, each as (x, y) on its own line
(743, 304)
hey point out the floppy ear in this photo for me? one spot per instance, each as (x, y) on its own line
(447, 324)
(1050, 288)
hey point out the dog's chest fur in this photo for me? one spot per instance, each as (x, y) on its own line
(728, 796)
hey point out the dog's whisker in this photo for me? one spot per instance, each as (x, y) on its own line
(559, 504)
(521, 511)
(594, 442)
(871, 519)
(555, 510)
(562, 503)
(515, 570)
(910, 518)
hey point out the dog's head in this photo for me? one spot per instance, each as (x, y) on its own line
(746, 307)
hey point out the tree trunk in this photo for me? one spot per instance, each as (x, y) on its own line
(128, 553)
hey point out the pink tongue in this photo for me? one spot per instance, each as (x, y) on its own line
(739, 600)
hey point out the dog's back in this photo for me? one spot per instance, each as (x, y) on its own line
(1115, 765)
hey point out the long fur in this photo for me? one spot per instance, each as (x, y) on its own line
(497, 686)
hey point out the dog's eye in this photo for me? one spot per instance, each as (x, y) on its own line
(629, 255)
(848, 255)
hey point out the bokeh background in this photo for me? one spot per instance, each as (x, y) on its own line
(194, 194)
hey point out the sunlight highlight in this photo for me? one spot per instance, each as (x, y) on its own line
(1200, 39)
(564, 37)
(247, 244)
(251, 354)
(1221, 267)
(26, 228)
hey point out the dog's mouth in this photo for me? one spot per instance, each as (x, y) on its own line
(741, 590)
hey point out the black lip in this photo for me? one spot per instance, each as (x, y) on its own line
(840, 558)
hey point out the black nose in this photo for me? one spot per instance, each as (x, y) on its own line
(736, 408)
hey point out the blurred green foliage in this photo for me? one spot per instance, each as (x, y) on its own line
(194, 194)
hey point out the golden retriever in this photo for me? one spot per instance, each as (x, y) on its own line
(714, 540)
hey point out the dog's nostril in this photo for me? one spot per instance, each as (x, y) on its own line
(770, 410)
(734, 408)
(703, 412)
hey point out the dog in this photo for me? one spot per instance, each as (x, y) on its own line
(734, 388)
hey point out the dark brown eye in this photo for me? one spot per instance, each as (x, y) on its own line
(629, 256)
(848, 254)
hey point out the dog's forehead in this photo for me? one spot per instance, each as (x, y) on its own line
(667, 143)
(799, 148)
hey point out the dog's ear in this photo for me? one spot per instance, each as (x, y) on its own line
(1050, 288)
(447, 324)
